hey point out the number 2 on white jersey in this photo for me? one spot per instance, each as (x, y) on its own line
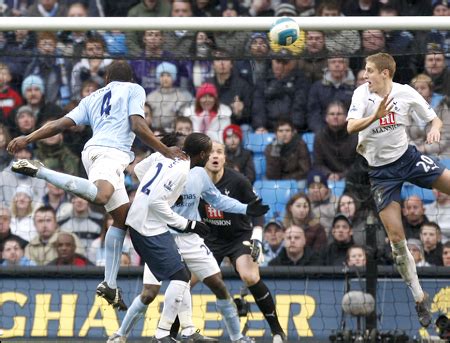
(427, 164)
(148, 184)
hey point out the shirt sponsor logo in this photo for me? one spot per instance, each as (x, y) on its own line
(169, 185)
(388, 119)
(212, 213)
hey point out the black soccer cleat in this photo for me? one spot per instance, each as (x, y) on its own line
(423, 311)
(26, 167)
(112, 295)
(166, 339)
(197, 337)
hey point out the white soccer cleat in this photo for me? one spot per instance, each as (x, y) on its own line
(278, 339)
(245, 339)
(26, 167)
(116, 338)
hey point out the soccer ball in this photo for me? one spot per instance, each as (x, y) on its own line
(358, 303)
(284, 31)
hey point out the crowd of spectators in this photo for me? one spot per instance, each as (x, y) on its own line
(228, 85)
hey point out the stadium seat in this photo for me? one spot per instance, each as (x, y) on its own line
(308, 138)
(257, 142)
(337, 187)
(409, 189)
(260, 166)
(276, 194)
(446, 162)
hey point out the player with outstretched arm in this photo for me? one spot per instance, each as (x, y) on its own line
(379, 112)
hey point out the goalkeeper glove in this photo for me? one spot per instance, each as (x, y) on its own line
(255, 208)
(255, 245)
(198, 227)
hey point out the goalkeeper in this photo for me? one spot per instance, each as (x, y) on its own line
(234, 236)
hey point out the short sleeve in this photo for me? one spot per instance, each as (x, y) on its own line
(420, 106)
(80, 113)
(136, 101)
(358, 105)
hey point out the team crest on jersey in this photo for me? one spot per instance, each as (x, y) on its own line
(226, 191)
(388, 119)
(169, 185)
(212, 213)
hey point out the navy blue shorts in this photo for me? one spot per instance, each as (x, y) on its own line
(160, 252)
(387, 181)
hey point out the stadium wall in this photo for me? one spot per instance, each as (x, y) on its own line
(308, 303)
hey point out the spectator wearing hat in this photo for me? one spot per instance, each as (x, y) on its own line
(282, 95)
(361, 8)
(208, 115)
(22, 208)
(295, 252)
(273, 240)
(337, 83)
(323, 203)
(9, 98)
(167, 101)
(233, 89)
(232, 41)
(341, 241)
(416, 248)
(287, 156)
(5, 228)
(25, 121)
(10, 181)
(299, 212)
(313, 59)
(33, 91)
(334, 148)
(255, 68)
(13, 253)
(236, 156)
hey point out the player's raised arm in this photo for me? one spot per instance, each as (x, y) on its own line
(50, 129)
(356, 125)
(140, 128)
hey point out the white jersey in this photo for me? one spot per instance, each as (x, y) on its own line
(385, 140)
(160, 187)
(107, 111)
(198, 185)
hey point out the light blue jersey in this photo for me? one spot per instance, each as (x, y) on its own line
(107, 111)
(199, 185)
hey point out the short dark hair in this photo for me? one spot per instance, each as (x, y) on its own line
(284, 121)
(195, 143)
(431, 224)
(46, 208)
(173, 139)
(119, 71)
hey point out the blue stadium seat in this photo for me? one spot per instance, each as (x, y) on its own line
(446, 162)
(308, 138)
(260, 166)
(276, 194)
(257, 142)
(337, 187)
(409, 189)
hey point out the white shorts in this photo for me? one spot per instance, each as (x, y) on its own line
(103, 163)
(199, 259)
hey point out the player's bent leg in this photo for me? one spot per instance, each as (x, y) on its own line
(249, 273)
(442, 183)
(403, 259)
(73, 184)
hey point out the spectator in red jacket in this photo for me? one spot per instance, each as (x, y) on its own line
(9, 98)
(65, 248)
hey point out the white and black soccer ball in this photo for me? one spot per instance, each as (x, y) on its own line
(357, 303)
(284, 31)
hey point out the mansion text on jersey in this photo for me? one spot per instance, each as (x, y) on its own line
(382, 129)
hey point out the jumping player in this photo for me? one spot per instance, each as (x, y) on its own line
(234, 236)
(379, 112)
(197, 257)
(150, 215)
(116, 114)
